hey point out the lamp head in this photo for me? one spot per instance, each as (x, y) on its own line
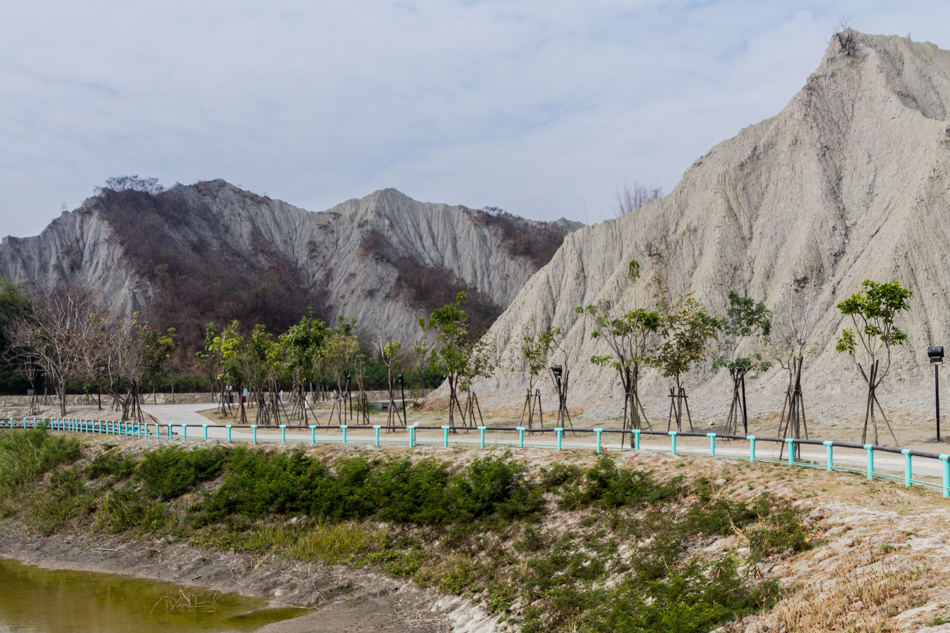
(935, 354)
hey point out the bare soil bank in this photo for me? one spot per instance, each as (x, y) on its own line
(347, 601)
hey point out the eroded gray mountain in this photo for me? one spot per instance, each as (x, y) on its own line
(851, 181)
(211, 251)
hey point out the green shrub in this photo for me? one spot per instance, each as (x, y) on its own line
(61, 501)
(111, 463)
(493, 485)
(171, 471)
(413, 493)
(604, 485)
(126, 509)
(555, 476)
(25, 455)
(396, 490)
(781, 528)
(691, 599)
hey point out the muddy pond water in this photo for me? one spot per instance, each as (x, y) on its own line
(34, 600)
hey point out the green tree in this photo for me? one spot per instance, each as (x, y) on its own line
(478, 364)
(229, 346)
(869, 343)
(533, 351)
(160, 350)
(745, 333)
(450, 326)
(303, 344)
(389, 349)
(627, 336)
(687, 331)
(14, 305)
(339, 359)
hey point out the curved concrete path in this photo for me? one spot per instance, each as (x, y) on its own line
(179, 413)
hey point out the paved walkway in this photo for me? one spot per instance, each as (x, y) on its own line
(179, 413)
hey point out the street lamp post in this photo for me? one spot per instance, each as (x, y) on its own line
(936, 357)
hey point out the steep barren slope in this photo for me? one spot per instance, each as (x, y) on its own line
(213, 251)
(851, 181)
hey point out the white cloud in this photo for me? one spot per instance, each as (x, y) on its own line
(535, 106)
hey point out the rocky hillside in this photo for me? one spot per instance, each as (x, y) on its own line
(211, 251)
(851, 181)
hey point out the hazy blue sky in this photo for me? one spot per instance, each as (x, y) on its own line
(542, 107)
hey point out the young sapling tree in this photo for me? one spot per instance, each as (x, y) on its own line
(388, 350)
(687, 331)
(869, 343)
(745, 332)
(533, 350)
(790, 338)
(450, 326)
(627, 336)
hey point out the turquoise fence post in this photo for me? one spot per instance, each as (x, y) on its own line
(283, 433)
(254, 433)
(791, 450)
(146, 430)
(751, 439)
(412, 437)
(672, 435)
(636, 439)
(481, 441)
(908, 472)
(376, 428)
(313, 434)
(34, 423)
(870, 449)
(520, 437)
(184, 431)
(228, 427)
(829, 455)
(343, 429)
(598, 432)
(560, 433)
(712, 444)
(445, 436)
(206, 430)
(946, 474)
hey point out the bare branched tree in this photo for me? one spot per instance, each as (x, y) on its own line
(132, 183)
(59, 329)
(635, 196)
(790, 344)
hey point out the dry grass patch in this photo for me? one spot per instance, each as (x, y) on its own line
(865, 590)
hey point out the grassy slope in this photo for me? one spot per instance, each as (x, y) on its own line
(550, 542)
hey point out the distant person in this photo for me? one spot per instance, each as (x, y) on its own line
(282, 396)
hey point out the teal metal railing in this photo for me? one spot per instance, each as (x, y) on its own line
(628, 440)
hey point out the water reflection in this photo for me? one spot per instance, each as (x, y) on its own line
(34, 600)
